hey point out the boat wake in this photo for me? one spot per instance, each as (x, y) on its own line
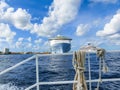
(9, 86)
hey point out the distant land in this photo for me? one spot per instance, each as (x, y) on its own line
(9, 53)
(1, 53)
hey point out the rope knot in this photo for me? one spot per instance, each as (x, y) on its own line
(101, 53)
(81, 68)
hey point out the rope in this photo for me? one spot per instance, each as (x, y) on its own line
(101, 55)
(78, 64)
(105, 68)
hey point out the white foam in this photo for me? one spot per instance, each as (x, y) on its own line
(9, 86)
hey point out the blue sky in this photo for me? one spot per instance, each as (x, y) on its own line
(27, 25)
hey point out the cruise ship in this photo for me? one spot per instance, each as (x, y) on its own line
(60, 44)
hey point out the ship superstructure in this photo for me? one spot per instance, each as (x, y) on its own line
(60, 44)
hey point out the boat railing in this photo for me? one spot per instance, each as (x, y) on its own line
(38, 83)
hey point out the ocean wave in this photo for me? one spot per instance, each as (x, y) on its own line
(10, 86)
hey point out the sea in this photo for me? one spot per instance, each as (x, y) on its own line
(55, 68)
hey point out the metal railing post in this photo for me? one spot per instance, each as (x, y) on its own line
(37, 72)
(89, 70)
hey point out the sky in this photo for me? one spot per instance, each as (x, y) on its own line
(27, 25)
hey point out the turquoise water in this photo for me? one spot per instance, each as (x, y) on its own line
(54, 68)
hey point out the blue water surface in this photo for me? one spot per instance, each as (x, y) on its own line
(55, 68)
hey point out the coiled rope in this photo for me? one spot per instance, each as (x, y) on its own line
(78, 63)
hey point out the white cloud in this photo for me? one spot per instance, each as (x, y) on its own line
(24, 43)
(112, 28)
(60, 12)
(46, 46)
(114, 36)
(3, 5)
(117, 42)
(19, 18)
(36, 48)
(38, 41)
(5, 33)
(82, 29)
(18, 44)
(29, 39)
(41, 46)
(29, 45)
(114, 42)
(20, 39)
(46, 43)
(104, 1)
